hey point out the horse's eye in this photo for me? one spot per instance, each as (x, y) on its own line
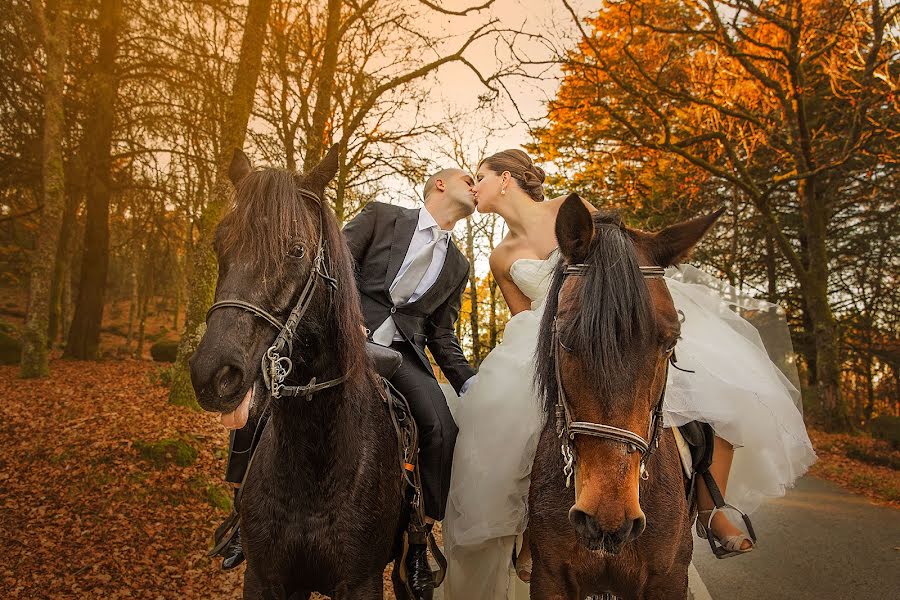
(670, 344)
(297, 251)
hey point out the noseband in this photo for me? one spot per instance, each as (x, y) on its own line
(276, 362)
(567, 429)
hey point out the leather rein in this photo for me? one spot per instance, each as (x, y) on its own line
(567, 428)
(276, 362)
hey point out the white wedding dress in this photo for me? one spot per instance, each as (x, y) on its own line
(735, 387)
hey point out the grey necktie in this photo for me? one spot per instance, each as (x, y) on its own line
(406, 284)
(404, 287)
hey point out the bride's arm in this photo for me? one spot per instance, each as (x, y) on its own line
(515, 298)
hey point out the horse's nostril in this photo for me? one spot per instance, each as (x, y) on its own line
(228, 380)
(584, 524)
(638, 526)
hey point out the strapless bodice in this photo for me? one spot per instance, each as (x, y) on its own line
(533, 275)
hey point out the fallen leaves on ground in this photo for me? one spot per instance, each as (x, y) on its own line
(841, 461)
(107, 490)
(87, 510)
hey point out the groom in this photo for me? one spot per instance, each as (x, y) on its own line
(411, 277)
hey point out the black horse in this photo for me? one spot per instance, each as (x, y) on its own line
(323, 499)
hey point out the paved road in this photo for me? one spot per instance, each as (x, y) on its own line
(819, 542)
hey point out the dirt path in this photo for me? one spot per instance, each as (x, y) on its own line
(819, 542)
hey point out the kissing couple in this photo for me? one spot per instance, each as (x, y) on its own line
(475, 464)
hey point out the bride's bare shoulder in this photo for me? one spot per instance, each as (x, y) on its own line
(501, 260)
(502, 256)
(554, 203)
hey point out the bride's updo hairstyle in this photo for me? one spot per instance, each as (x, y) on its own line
(528, 176)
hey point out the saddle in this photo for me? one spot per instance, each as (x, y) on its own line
(386, 360)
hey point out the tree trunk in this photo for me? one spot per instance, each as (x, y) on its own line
(343, 175)
(771, 269)
(35, 356)
(203, 268)
(177, 310)
(828, 362)
(825, 329)
(84, 335)
(63, 266)
(134, 301)
(732, 259)
(65, 305)
(317, 137)
(473, 292)
(146, 289)
(870, 383)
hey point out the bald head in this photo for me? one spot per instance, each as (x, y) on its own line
(450, 196)
(444, 175)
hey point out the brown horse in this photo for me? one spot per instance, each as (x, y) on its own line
(322, 501)
(608, 333)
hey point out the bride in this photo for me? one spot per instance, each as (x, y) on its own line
(749, 404)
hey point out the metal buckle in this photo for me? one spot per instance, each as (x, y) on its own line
(569, 457)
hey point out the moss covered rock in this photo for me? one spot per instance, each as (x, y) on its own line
(218, 497)
(167, 451)
(10, 345)
(164, 351)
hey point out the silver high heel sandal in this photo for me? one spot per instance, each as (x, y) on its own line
(729, 545)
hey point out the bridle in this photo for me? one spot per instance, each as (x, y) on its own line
(567, 429)
(276, 362)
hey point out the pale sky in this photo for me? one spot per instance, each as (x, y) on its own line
(459, 87)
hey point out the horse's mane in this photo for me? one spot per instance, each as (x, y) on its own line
(614, 317)
(267, 217)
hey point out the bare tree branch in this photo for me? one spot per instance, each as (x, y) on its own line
(456, 13)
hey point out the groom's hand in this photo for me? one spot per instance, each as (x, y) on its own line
(467, 384)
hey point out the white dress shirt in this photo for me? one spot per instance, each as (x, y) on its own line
(424, 233)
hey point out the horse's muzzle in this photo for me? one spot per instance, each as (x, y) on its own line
(218, 386)
(593, 537)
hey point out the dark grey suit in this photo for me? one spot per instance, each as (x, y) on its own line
(379, 239)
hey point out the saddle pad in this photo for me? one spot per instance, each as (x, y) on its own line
(684, 452)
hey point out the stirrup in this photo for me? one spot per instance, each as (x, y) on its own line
(224, 534)
(719, 550)
(725, 547)
(421, 536)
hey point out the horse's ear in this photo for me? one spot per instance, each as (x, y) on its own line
(322, 173)
(239, 168)
(574, 229)
(673, 244)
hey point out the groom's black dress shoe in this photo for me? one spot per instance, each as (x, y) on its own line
(233, 553)
(421, 580)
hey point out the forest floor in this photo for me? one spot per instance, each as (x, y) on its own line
(860, 464)
(108, 491)
(115, 341)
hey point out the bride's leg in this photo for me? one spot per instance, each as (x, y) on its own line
(723, 453)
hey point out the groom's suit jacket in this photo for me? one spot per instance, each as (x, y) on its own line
(379, 237)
